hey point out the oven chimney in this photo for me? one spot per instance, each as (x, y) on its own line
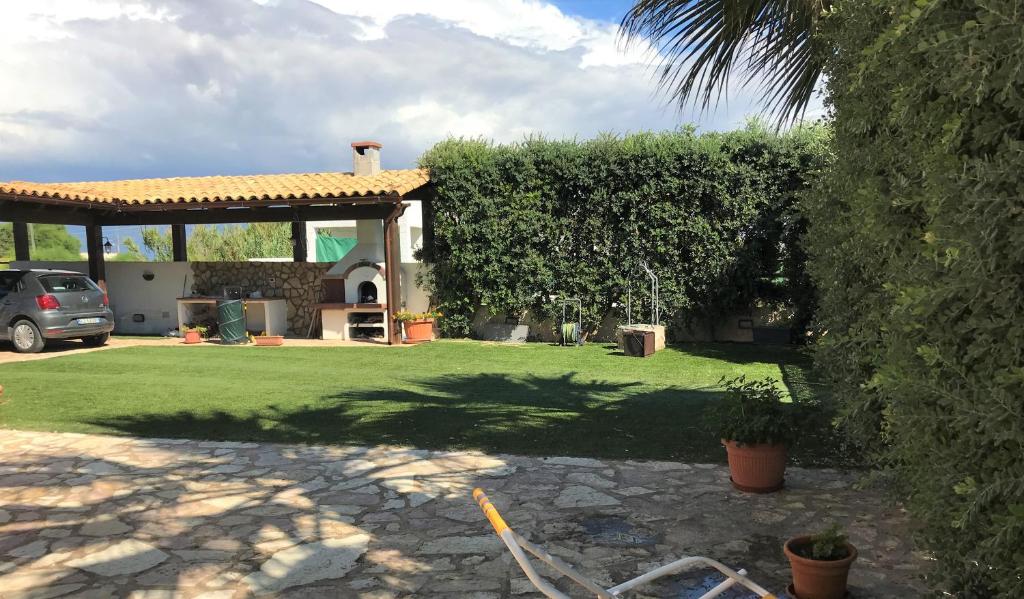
(365, 158)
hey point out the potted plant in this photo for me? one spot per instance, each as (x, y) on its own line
(419, 326)
(821, 564)
(265, 340)
(756, 428)
(195, 334)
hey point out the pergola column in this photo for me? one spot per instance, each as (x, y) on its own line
(21, 243)
(94, 247)
(299, 241)
(392, 273)
(179, 243)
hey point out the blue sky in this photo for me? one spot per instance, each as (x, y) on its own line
(599, 10)
(115, 89)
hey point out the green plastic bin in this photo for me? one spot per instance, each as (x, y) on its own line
(231, 322)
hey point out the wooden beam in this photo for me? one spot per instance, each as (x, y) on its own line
(262, 203)
(34, 200)
(94, 247)
(299, 241)
(248, 215)
(46, 213)
(46, 210)
(21, 244)
(179, 243)
(392, 272)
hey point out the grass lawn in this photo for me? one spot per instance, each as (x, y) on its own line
(523, 399)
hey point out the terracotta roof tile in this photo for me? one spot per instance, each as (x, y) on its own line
(241, 188)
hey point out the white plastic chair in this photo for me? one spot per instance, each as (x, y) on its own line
(517, 544)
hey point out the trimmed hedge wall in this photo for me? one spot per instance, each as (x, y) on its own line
(917, 245)
(712, 214)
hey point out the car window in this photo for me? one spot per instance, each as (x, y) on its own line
(9, 282)
(61, 283)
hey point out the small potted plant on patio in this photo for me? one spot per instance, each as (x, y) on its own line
(821, 564)
(419, 326)
(195, 334)
(265, 340)
(756, 428)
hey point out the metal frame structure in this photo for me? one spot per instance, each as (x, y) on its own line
(655, 299)
(517, 544)
(655, 291)
(578, 303)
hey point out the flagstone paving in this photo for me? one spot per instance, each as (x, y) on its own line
(94, 516)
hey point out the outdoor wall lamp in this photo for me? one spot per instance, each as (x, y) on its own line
(107, 246)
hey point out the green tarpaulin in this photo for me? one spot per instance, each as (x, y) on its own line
(332, 249)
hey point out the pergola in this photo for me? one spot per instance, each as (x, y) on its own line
(180, 201)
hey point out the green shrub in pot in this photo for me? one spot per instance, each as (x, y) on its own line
(756, 426)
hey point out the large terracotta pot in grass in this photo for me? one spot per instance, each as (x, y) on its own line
(418, 331)
(193, 337)
(818, 579)
(759, 468)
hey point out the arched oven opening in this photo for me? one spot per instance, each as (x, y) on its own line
(367, 293)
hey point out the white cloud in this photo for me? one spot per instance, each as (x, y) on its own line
(522, 23)
(111, 89)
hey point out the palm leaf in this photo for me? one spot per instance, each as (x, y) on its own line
(703, 43)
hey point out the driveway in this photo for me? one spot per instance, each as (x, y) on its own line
(97, 516)
(56, 349)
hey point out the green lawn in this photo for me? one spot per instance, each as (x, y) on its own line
(524, 399)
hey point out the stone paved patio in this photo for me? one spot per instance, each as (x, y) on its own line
(94, 516)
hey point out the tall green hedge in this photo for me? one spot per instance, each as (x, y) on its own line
(712, 214)
(917, 246)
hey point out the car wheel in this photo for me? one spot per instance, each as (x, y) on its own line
(96, 340)
(26, 337)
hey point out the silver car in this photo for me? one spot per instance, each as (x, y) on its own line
(39, 305)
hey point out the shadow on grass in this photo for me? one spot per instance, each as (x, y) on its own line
(526, 415)
(745, 353)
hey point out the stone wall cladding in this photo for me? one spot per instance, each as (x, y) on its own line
(296, 282)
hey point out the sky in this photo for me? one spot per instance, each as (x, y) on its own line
(115, 89)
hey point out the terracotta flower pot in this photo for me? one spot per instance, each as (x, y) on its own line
(818, 579)
(418, 331)
(193, 337)
(757, 468)
(269, 340)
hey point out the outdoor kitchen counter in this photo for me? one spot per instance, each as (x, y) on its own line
(340, 320)
(269, 315)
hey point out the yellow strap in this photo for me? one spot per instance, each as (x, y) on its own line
(490, 511)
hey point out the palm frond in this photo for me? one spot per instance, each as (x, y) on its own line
(702, 43)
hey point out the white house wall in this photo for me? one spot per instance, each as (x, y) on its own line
(414, 298)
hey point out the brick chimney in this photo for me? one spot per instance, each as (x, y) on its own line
(365, 158)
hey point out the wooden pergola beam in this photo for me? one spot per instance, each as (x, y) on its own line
(21, 242)
(393, 272)
(299, 241)
(261, 203)
(94, 248)
(51, 214)
(179, 243)
(248, 215)
(62, 214)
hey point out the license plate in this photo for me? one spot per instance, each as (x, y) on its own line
(90, 320)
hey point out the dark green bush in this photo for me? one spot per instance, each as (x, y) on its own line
(712, 214)
(917, 246)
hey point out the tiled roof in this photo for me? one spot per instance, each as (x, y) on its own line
(178, 190)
